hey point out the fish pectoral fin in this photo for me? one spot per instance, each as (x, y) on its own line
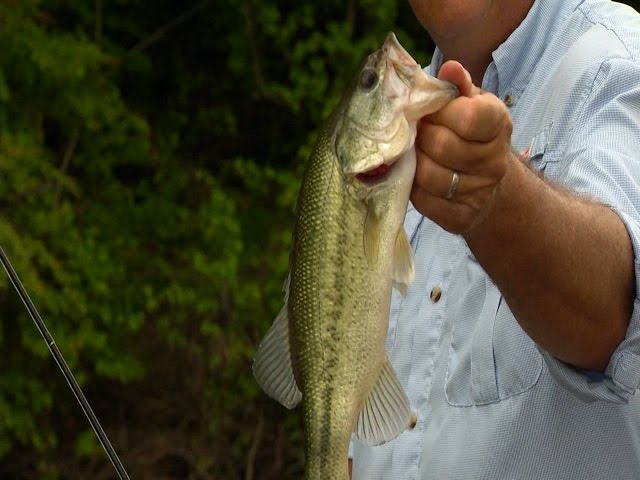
(386, 412)
(404, 270)
(272, 366)
(371, 236)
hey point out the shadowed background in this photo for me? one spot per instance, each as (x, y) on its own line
(150, 157)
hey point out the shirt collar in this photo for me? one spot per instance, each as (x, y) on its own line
(516, 58)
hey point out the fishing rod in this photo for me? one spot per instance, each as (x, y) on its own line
(66, 371)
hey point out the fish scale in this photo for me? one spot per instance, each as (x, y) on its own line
(326, 347)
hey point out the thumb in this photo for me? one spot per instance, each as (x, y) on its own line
(455, 73)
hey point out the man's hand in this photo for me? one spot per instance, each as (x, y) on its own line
(548, 251)
(471, 136)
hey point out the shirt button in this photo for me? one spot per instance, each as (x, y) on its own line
(436, 293)
(508, 100)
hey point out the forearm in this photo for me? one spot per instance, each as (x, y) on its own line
(564, 266)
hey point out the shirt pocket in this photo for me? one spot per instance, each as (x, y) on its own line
(539, 151)
(490, 357)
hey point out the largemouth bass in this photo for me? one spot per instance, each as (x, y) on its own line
(327, 344)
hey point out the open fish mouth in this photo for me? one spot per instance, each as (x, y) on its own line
(374, 175)
(377, 174)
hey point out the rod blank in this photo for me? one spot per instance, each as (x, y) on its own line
(64, 368)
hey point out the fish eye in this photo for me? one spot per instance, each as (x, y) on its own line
(368, 79)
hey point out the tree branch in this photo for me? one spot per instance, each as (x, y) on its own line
(162, 31)
(253, 450)
(66, 159)
(261, 84)
(97, 32)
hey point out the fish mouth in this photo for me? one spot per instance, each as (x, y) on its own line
(378, 174)
(375, 174)
(400, 64)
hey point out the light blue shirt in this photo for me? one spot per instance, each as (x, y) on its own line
(490, 403)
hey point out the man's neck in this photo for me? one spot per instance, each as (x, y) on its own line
(474, 47)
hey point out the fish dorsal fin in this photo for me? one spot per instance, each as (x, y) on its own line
(272, 366)
(386, 412)
(371, 236)
(404, 270)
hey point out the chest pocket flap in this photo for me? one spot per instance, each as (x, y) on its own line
(537, 152)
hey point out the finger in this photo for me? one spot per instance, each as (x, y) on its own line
(436, 180)
(455, 73)
(447, 149)
(453, 217)
(477, 119)
(433, 178)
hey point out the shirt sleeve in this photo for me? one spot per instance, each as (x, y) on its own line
(601, 161)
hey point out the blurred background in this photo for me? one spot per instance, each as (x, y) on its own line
(150, 158)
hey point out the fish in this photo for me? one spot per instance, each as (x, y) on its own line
(326, 347)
